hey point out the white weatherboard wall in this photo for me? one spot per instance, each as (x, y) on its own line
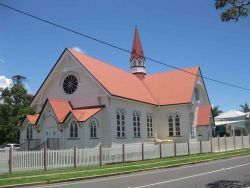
(162, 114)
(83, 140)
(204, 132)
(130, 107)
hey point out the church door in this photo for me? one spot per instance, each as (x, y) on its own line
(50, 128)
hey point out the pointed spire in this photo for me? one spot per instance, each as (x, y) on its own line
(137, 51)
(137, 59)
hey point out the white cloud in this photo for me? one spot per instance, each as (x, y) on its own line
(5, 82)
(78, 49)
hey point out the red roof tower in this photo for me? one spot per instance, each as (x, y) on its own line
(137, 59)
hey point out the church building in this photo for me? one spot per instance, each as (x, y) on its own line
(86, 102)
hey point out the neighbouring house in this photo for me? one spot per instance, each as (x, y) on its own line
(232, 122)
(87, 102)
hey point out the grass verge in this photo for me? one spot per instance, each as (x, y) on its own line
(68, 174)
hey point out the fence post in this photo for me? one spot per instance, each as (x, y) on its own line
(200, 146)
(10, 159)
(142, 152)
(249, 140)
(218, 143)
(74, 156)
(45, 158)
(100, 155)
(234, 142)
(174, 148)
(242, 140)
(123, 153)
(211, 144)
(160, 150)
(188, 147)
(225, 142)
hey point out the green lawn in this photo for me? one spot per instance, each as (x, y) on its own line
(95, 171)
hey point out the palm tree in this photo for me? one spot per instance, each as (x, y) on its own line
(216, 111)
(245, 107)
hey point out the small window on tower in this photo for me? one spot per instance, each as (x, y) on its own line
(140, 62)
(134, 62)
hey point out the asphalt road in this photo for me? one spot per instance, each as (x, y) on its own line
(233, 173)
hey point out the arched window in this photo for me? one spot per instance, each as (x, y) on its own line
(29, 132)
(140, 62)
(120, 124)
(197, 94)
(134, 62)
(149, 125)
(170, 125)
(177, 125)
(73, 129)
(93, 129)
(137, 124)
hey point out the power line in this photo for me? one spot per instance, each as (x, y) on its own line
(119, 48)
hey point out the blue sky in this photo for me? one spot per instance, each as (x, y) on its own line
(180, 33)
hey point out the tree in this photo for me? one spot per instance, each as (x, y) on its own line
(232, 9)
(15, 106)
(216, 111)
(245, 107)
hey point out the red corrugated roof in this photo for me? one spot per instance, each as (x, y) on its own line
(61, 108)
(32, 118)
(203, 115)
(172, 87)
(117, 81)
(84, 114)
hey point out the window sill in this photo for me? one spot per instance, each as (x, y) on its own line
(138, 137)
(121, 138)
(73, 138)
(28, 139)
(175, 136)
(150, 137)
(94, 138)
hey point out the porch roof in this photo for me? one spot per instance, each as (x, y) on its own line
(85, 113)
(63, 108)
(33, 118)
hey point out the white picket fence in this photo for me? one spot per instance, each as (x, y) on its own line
(21, 161)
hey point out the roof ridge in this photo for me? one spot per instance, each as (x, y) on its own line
(150, 92)
(88, 107)
(171, 71)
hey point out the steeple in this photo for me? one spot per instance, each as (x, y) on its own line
(137, 60)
